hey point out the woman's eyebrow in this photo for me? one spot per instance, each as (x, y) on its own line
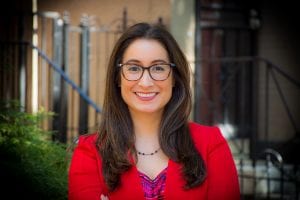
(132, 61)
(152, 62)
(159, 61)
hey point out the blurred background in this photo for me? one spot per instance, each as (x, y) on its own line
(244, 57)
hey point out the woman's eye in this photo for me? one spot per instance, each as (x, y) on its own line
(133, 68)
(158, 68)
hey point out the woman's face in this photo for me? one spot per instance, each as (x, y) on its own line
(146, 95)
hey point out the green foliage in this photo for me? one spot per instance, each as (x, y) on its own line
(31, 164)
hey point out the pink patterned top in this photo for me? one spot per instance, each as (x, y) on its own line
(154, 189)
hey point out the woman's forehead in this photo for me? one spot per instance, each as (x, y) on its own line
(146, 50)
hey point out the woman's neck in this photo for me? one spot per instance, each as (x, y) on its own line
(146, 124)
(146, 129)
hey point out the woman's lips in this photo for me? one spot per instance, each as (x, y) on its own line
(148, 96)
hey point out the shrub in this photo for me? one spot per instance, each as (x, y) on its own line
(31, 165)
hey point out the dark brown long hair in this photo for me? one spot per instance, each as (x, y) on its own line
(116, 135)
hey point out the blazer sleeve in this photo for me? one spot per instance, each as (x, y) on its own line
(222, 175)
(85, 180)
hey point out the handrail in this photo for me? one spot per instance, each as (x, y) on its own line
(57, 68)
(279, 70)
(272, 67)
(252, 58)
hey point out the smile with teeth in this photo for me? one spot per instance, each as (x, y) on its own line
(146, 95)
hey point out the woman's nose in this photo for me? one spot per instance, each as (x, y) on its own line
(146, 79)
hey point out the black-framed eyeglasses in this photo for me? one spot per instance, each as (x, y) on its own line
(158, 72)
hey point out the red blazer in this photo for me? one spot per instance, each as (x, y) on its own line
(86, 181)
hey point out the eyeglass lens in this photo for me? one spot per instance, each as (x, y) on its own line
(135, 72)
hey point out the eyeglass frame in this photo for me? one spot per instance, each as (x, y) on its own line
(172, 65)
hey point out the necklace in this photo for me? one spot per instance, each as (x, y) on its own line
(148, 154)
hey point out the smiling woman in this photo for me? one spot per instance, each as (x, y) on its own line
(139, 90)
(146, 148)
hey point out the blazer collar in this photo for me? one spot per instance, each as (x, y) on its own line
(131, 188)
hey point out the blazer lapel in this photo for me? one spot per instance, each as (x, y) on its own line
(174, 182)
(130, 187)
(175, 185)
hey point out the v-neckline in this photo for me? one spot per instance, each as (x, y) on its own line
(164, 171)
(138, 181)
(138, 171)
(173, 181)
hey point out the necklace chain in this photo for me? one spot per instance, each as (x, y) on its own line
(148, 154)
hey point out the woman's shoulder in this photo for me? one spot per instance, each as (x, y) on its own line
(202, 129)
(205, 133)
(88, 138)
(85, 141)
(195, 125)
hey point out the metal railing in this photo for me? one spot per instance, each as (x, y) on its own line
(264, 168)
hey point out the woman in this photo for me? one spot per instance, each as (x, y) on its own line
(146, 148)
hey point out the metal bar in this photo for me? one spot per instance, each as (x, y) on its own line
(252, 58)
(254, 176)
(254, 117)
(253, 136)
(267, 103)
(283, 73)
(22, 63)
(44, 74)
(268, 161)
(58, 69)
(284, 101)
(197, 75)
(84, 74)
(56, 78)
(241, 163)
(64, 87)
(281, 182)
